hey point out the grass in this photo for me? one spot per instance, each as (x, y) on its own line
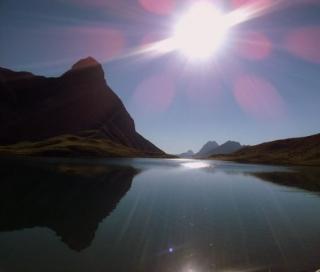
(278, 159)
(72, 146)
(294, 151)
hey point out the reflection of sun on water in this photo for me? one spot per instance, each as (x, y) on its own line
(195, 165)
(190, 268)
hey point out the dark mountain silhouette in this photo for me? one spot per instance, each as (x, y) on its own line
(226, 148)
(295, 151)
(206, 149)
(188, 154)
(35, 108)
(212, 148)
(70, 199)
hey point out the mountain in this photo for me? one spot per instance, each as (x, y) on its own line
(206, 149)
(226, 148)
(188, 154)
(212, 148)
(293, 151)
(79, 102)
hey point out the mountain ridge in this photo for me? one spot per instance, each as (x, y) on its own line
(290, 151)
(34, 108)
(206, 149)
(188, 154)
(213, 148)
(226, 148)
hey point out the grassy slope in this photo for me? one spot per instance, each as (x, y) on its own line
(294, 151)
(72, 146)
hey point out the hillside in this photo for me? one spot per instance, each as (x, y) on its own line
(293, 151)
(74, 146)
(35, 108)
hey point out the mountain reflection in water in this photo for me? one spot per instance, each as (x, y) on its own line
(157, 215)
(70, 199)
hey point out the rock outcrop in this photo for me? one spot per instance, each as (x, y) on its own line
(34, 108)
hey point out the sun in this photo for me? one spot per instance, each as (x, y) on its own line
(200, 32)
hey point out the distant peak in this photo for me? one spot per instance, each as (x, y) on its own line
(232, 142)
(211, 143)
(85, 63)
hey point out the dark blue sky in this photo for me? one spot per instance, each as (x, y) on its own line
(263, 84)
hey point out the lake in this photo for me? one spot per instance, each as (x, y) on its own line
(157, 215)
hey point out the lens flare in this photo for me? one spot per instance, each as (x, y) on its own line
(258, 97)
(304, 43)
(254, 46)
(162, 7)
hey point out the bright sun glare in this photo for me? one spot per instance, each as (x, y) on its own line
(200, 32)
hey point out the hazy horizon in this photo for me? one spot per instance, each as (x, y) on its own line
(265, 90)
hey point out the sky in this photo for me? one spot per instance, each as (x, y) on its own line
(262, 84)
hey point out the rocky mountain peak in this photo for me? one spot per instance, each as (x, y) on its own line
(39, 108)
(85, 63)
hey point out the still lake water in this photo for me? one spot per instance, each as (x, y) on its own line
(157, 215)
